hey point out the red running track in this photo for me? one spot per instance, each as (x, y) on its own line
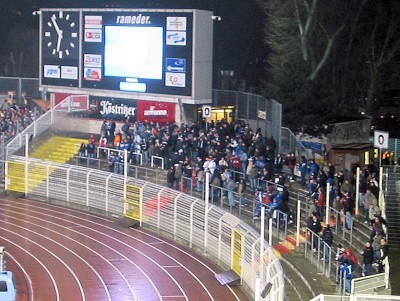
(59, 253)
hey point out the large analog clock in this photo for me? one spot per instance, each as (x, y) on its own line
(61, 35)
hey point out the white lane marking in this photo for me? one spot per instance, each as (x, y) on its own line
(88, 237)
(41, 263)
(49, 251)
(31, 203)
(74, 253)
(32, 297)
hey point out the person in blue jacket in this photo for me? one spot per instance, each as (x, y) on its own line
(303, 170)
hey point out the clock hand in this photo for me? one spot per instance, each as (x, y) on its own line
(59, 42)
(58, 30)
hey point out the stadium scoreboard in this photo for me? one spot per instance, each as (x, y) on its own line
(143, 52)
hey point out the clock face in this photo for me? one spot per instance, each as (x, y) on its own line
(61, 35)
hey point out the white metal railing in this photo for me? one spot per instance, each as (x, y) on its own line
(170, 211)
(360, 297)
(368, 284)
(41, 124)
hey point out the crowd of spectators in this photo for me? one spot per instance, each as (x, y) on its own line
(342, 196)
(239, 158)
(15, 118)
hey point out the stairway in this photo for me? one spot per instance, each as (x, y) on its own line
(56, 149)
(392, 196)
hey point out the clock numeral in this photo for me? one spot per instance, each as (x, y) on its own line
(74, 35)
(49, 44)
(60, 55)
(47, 34)
(60, 14)
(67, 52)
(67, 17)
(72, 24)
(72, 45)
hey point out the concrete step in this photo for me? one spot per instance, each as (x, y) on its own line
(304, 275)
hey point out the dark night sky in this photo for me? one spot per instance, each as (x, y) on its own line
(235, 36)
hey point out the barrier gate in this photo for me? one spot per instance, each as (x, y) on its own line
(133, 202)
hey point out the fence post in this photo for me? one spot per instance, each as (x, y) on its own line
(380, 187)
(26, 162)
(357, 189)
(206, 200)
(327, 201)
(262, 235)
(298, 222)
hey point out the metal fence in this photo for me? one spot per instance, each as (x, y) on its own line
(360, 297)
(42, 124)
(256, 110)
(20, 87)
(207, 229)
(289, 144)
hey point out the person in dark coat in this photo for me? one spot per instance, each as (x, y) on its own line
(368, 258)
(327, 240)
(314, 226)
(171, 177)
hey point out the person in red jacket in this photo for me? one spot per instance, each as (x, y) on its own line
(321, 203)
(237, 166)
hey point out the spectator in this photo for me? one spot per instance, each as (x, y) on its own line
(383, 256)
(368, 258)
(374, 210)
(321, 203)
(91, 149)
(171, 177)
(314, 227)
(187, 171)
(327, 239)
(216, 182)
(111, 159)
(314, 168)
(252, 173)
(367, 199)
(82, 151)
(200, 178)
(178, 172)
(303, 170)
(241, 190)
(348, 206)
(231, 186)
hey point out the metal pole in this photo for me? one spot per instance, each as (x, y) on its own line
(327, 199)
(26, 162)
(270, 232)
(125, 172)
(298, 223)
(357, 189)
(380, 187)
(206, 200)
(262, 235)
(257, 290)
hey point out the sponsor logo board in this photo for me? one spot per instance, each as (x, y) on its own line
(93, 21)
(92, 60)
(175, 65)
(51, 71)
(93, 35)
(175, 79)
(177, 38)
(176, 23)
(92, 74)
(69, 72)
